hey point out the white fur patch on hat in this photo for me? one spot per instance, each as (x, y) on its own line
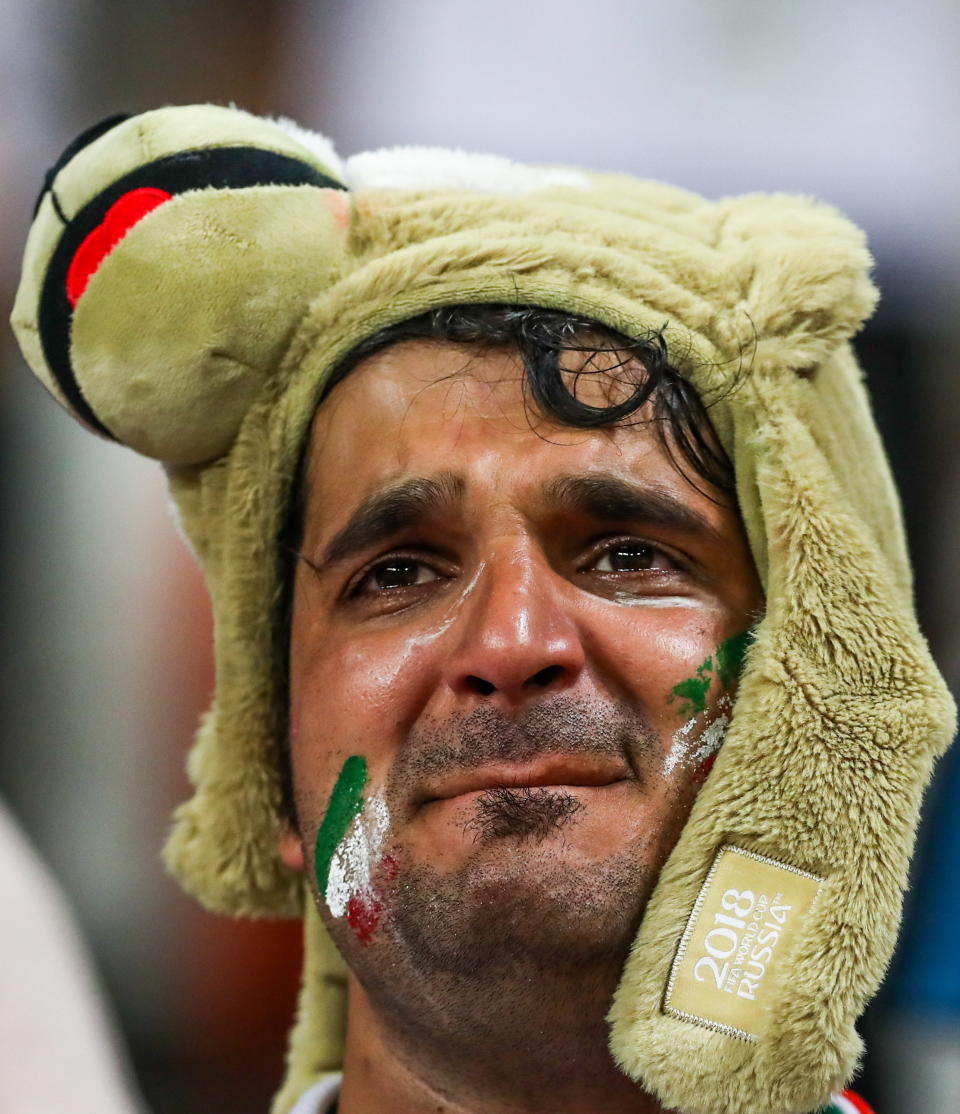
(441, 168)
(317, 144)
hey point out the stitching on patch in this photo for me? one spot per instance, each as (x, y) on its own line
(705, 1022)
(715, 1026)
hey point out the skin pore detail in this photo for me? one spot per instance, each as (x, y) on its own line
(494, 612)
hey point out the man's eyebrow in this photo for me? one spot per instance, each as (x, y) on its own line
(386, 513)
(612, 499)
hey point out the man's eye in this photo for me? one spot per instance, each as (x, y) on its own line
(393, 573)
(632, 557)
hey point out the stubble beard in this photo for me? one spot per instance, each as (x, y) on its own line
(488, 979)
(493, 919)
(517, 942)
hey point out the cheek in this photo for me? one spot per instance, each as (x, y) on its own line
(358, 695)
(650, 652)
(665, 662)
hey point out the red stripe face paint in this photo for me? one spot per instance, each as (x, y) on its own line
(363, 915)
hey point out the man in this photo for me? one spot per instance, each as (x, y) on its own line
(495, 614)
(525, 549)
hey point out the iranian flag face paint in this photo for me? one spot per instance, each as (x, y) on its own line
(696, 744)
(349, 850)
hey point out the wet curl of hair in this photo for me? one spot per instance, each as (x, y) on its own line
(541, 338)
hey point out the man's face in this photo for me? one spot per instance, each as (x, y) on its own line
(513, 650)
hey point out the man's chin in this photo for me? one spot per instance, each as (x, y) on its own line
(518, 906)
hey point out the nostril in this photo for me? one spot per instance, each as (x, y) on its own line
(479, 685)
(545, 677)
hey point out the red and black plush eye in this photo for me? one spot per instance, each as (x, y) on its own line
(164, 297)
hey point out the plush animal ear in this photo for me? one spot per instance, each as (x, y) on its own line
(799, 275)
(171, 256)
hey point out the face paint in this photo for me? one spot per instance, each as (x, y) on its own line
(351, 869)
(692, 749)
(364, 909)
(346, 803)
(693, 691)
(655, 602)
(730, 655)
(363, 916)
(699, 749)
(349, 842)
(725, 664)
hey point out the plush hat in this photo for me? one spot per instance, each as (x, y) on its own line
(192, 276)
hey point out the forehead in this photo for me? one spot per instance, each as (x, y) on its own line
(424, 407)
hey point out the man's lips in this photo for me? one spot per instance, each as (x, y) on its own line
(566, 770)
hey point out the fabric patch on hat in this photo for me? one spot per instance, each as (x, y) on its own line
(749, 912)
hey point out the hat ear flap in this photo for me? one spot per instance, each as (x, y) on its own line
(169, 263)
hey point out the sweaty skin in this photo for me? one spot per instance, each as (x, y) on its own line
(493, 613)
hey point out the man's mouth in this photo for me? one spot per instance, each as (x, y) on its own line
(566, 771)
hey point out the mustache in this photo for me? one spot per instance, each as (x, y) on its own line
(559, 725)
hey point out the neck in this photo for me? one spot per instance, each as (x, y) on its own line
(553, 1061)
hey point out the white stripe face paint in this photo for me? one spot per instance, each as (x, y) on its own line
(690, 748)
(655, 602)
(357, 854)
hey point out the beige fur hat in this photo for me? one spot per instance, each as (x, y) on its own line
(191, 277)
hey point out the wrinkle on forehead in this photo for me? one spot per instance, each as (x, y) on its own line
(487, 380)
(419, 407)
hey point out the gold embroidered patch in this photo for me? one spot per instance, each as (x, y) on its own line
(746, 918)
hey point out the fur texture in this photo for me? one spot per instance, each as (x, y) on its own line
(430, 168)
(205, 338)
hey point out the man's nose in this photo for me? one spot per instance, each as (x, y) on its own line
(517, 635)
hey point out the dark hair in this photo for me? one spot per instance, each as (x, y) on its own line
(541, 337)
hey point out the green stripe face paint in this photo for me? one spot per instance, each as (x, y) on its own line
(693, 691)
(725, 664)
(730, 655)
(348, 858)
(346, 804)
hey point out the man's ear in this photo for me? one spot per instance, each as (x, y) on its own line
(290, 848)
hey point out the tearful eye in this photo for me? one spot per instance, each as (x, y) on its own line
(393, 573)
(632, 557)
